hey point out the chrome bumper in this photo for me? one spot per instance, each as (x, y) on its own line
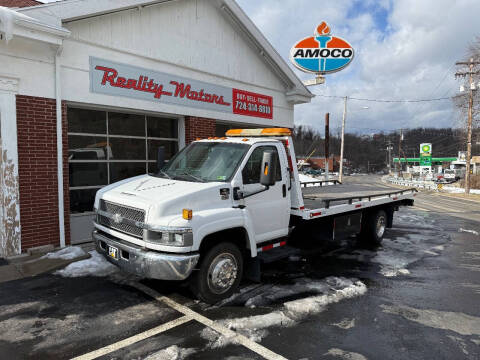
(145, 263)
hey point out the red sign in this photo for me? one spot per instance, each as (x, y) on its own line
(252, 104)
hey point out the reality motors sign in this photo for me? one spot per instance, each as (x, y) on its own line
(111, 78)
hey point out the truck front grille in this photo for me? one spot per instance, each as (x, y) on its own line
(126, 213)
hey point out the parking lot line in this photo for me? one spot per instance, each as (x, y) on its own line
(133, 339)
(228, 333)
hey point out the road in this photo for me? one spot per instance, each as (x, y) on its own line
(415, 297)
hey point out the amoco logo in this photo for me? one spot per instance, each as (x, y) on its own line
(322, 53)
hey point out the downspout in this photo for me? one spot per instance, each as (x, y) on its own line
(58, 98)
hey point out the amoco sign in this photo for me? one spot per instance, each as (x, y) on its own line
(321, 53)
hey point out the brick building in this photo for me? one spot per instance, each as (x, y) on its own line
(319, 162)
(89, 90)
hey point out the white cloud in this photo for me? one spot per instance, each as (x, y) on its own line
(410, 55)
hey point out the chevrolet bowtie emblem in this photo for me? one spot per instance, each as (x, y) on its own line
(117, 218)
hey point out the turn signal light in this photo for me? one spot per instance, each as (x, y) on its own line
(187, 214)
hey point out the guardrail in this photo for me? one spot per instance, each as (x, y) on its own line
(415, 184)
(321, 182)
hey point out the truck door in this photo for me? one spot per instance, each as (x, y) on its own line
(269, 211)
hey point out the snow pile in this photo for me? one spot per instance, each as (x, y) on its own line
(331, 290)
(299, 309)
(171, 353)
(68, 253)
(469, 231)
(345, 354)
(456, 190)
(345, 324)
(95, 266)
(306, 178)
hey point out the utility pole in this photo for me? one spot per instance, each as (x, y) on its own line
(400, 139)
(340, 170)
(389, 150)
(471, 65)
(327, 143)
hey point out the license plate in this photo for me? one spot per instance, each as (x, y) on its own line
(113, 252)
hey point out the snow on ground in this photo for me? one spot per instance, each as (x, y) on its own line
(469, 231)
(327, 291)
(68, 253)
(456, 190)
(95, 266)
(347, 355)
(306, 178)
(458, 322)
(398, 252)
(171, 353)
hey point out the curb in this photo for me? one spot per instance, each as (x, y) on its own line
(33, 267)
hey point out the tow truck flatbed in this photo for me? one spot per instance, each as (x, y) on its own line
(340, 198)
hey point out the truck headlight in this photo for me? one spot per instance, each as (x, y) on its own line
(170, 238)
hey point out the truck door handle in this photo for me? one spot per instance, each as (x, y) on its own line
(284, 190)
(289, 178)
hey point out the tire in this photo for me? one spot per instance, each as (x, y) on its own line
(219, 274)
(373, 228)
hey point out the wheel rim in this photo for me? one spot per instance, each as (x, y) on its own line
(380, 228)
(222, 273)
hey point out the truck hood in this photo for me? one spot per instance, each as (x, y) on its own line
(162, 197)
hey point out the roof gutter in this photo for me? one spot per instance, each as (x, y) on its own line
(58, 102)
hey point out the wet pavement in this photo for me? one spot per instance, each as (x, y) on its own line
(415, 297)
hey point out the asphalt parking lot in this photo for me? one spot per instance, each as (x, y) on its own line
(416, 297)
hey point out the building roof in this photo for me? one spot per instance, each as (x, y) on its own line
(58, 13)
(19, 3)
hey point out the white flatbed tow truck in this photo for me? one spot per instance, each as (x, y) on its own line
(220, 204)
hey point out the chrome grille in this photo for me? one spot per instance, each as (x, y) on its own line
(126, 213)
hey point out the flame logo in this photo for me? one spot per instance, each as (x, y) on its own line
(323, 29)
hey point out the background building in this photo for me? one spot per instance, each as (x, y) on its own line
(90, 89)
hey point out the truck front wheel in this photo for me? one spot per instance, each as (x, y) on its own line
(373, 228)
(219, 274)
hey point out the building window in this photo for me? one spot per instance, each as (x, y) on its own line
(105, 147)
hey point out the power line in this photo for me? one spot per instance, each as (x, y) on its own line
(385, 101)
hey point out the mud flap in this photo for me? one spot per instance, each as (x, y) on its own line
(252, 270)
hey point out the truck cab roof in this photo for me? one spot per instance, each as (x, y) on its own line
(252, 136)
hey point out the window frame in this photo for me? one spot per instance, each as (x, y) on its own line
(107, 136)
(279, 163)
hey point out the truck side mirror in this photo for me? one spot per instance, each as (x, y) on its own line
(160, 157)
(268, 169)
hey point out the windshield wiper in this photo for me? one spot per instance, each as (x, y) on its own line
(192, 176)
(165, 174)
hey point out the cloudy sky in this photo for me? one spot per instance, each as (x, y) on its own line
(404, 49)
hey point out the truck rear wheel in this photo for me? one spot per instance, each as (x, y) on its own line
(373, 228)
(219, 274)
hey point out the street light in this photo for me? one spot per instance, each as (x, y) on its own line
(344, 117)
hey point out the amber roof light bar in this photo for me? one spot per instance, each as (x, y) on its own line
(259, 132)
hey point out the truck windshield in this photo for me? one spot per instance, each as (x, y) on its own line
(205, 162)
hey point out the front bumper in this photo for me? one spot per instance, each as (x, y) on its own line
(146, 263)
